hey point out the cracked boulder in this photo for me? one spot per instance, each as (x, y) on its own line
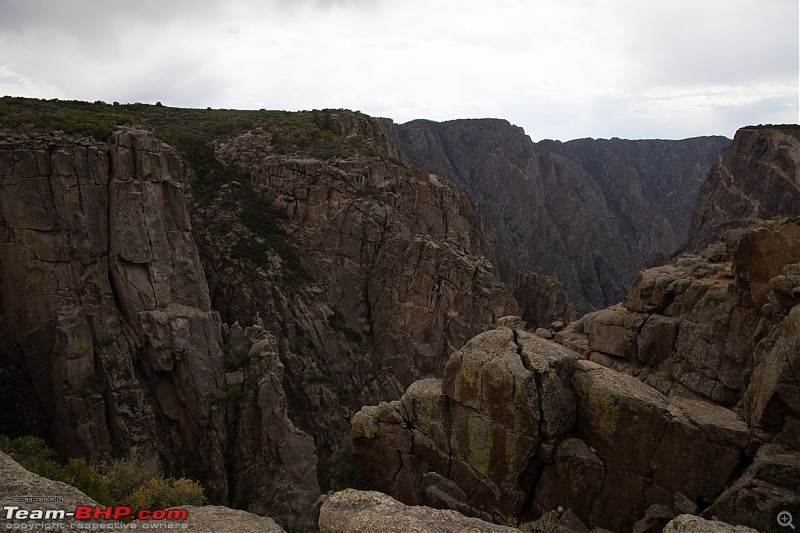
(652, 447)
(480, 426)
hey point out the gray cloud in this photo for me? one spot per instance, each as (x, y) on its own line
(564, 69)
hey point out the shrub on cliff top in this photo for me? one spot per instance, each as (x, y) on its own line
(134, 480)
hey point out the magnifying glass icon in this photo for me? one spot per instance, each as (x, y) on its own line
(785, 519)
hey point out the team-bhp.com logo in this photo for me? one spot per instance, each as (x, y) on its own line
(92, 512)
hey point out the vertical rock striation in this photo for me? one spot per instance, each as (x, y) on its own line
(590, 213)
(106, 311)
(755, 179)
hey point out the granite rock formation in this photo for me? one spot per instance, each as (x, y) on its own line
(590, 213)
(645, 410)
(146, 309)
(755, 179)
(353, 511)
(106, 312)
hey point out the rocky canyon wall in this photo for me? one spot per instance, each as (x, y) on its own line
(683, 399)
(755, 179)
(589, 212)
(233, 328)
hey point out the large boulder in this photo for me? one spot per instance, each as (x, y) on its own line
(353, 511)
(502, 395)
(767, 487)
(648, 447)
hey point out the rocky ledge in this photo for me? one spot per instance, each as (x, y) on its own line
(681, 400)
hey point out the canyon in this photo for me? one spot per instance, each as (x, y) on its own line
(273, 290)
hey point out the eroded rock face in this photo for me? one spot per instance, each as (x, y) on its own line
(398, 277)
(698, 327)
(353, 511)
(767, 487)
(543, 301)
(106, 310)
(520, 426)
(757, 178)
(105, 298)
(557, 209)
(503, 393)
(651, 447)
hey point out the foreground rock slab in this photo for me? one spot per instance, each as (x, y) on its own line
(694, 524)
(352, 511)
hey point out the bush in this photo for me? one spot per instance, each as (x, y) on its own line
(126, 475)
(134, 480)
(165, 493)
(33, 454)
(83, 477)
(341, 470)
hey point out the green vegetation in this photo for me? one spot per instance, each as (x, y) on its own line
(192, 132)
(234, 359)
(262, 219)
(341, 470)
(229, 394)
(135, 481)
(308, 133)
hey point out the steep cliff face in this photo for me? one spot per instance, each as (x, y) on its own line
(757, 178)
(396, 276)
(591, 213)
(106, 312)
(650, 185)
(229, 310)
(644, 410)
(104, 299)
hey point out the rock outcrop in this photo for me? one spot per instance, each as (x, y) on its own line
(543, 301)
(106, 312)
(694, 524)
(353, 511)
(181, 304)
(104, 301)
(755, 179)
(648, 409)
(590, 213)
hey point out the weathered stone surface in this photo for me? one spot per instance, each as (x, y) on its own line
(768, 486)
(543, 300)
(756, 178)
(763, 253)
(552, 207)
(694, 524)
(651, 447)
(691, 328)
(480, 426)
(774, 390)
(654, 520)
(608, 403)
(572, 481)
(613, 331)
(700, 450)
(353, 511)
(107, 305)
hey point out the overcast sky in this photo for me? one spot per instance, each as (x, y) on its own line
(561, 69)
